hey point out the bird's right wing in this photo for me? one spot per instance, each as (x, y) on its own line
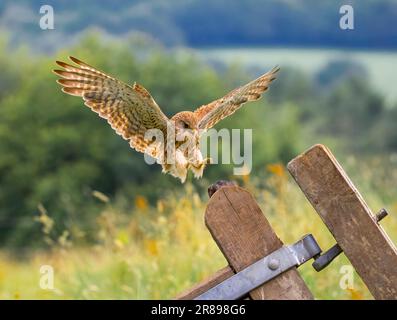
(130, 110)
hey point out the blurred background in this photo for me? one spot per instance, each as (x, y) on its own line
(74, 196)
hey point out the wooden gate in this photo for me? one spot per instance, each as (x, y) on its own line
(244, 235)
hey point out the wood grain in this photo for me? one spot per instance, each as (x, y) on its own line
(206, 284)
(348, 217)
(244, 236)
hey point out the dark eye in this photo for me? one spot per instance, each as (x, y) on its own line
(185, 125)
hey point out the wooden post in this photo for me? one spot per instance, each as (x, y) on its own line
(244, 236)
(348, 217)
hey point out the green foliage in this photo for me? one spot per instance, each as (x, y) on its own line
(56, 152)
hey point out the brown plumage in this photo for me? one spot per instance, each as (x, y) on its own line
(131, 112)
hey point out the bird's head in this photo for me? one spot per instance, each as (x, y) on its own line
(185, 120)
(186, 126)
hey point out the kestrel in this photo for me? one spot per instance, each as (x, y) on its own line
(132, 112)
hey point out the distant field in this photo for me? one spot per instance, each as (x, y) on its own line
(381, 65)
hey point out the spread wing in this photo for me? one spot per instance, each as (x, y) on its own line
(130, 110)
(217, 110)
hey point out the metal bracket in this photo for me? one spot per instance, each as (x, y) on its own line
(274, 264)
(327, 257)
(264, 270)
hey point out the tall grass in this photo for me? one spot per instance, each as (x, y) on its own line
(159, 250)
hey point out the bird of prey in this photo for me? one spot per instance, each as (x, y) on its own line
(132, 112)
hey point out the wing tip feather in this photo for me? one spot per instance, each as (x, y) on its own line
(73, 91)
(276, 69)
(81, 63)
(74, 59)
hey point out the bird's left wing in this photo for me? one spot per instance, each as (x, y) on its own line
(130, 110)
(212, 113)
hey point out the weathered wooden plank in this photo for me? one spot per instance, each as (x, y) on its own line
(207, 284)
(244, 236)
(348, 217)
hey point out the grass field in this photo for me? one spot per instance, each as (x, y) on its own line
(381, 65)
(159, 250)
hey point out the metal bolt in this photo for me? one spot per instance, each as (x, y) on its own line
(381, 214)
(273, 264)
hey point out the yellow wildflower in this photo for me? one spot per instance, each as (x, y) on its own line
(277, 169)
(141, 202)
(354, 294)
(151, 246)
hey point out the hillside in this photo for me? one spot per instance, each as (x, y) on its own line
(208, 22)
